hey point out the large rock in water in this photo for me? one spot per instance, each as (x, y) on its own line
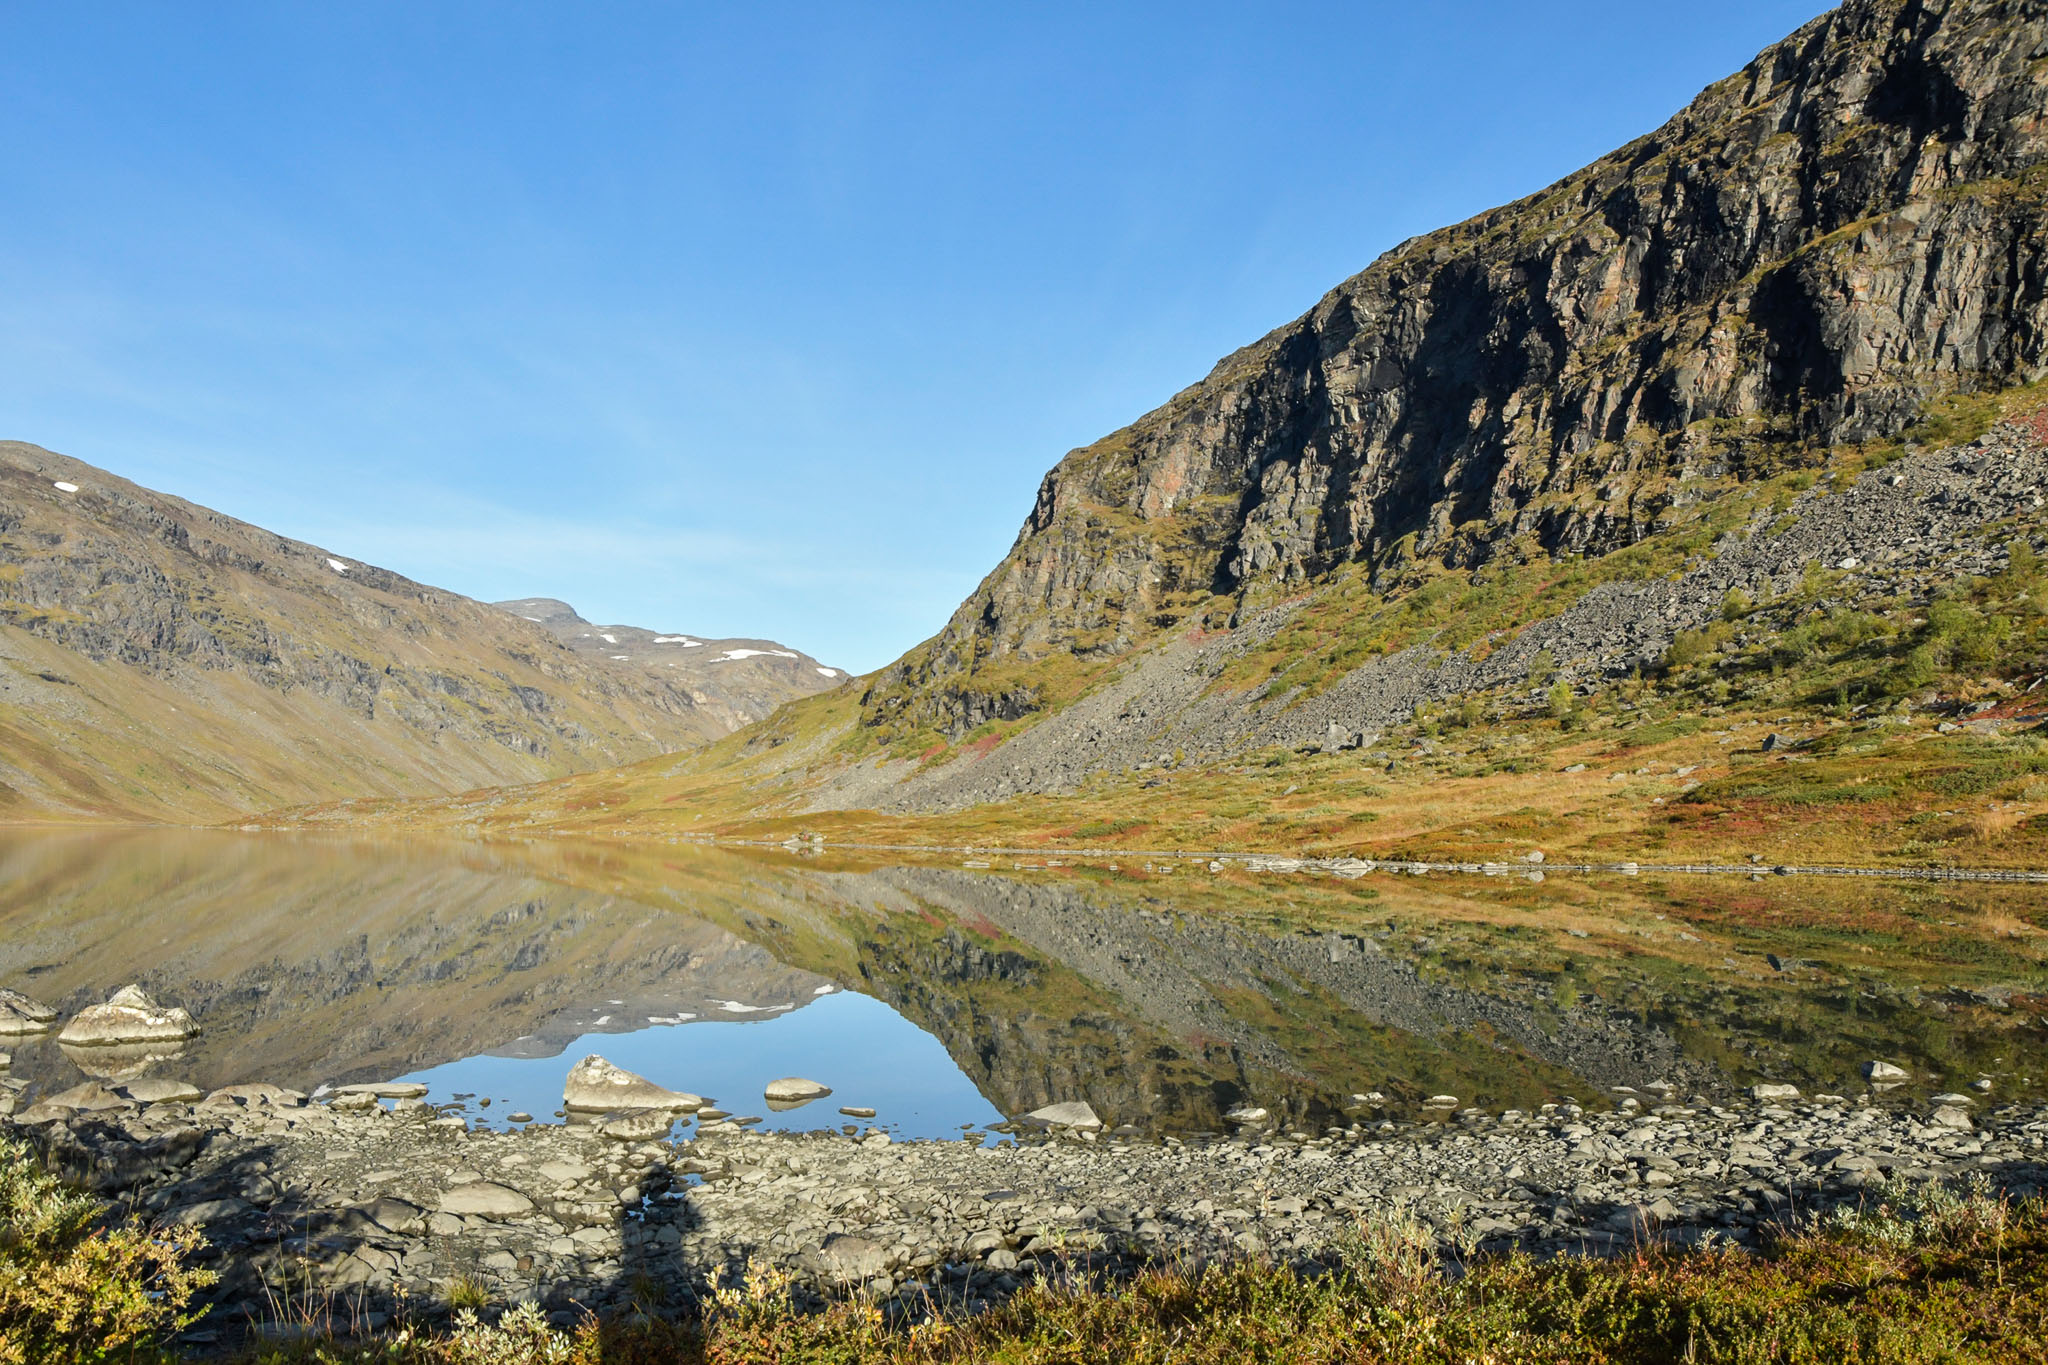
(130, 1016)
(20, 1015)
(794, 1090)
(595, 1086)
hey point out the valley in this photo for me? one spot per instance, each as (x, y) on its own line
(1524, 789)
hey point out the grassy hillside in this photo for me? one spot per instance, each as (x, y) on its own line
(161, 661)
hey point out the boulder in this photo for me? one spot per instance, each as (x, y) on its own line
(486, 1199)
(1441, 1102)
(35, 1011)
(1771, 1090)
(1950, 1116)
(1068, 1114)
(1883, 1071)
(595, 1086)
(129, 1016)
(850, 1259)
(795, 1090)
(14, 1024)
(1247, 1113)
(21, 1016)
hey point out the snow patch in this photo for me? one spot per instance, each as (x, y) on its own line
(337, 566)
(735, 1007)
(731, 654)
(683, 640)
(609, 639)
(621, 657)
(63, 487)
(829, 672)
(535, 619)
(825, 989)
(601, 1021)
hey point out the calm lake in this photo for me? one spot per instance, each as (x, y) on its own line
(949, 998)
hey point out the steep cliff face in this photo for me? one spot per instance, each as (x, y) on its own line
(1853, 223)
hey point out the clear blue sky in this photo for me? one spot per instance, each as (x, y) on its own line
(745, 320)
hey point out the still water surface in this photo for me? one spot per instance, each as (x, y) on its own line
(948, 998)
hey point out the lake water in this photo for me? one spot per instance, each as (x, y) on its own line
(949, 998)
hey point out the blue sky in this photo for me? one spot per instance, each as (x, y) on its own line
(744, 320)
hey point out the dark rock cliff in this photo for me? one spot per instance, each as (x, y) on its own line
(1813, 247)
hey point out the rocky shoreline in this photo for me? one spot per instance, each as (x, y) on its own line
(346, 1207)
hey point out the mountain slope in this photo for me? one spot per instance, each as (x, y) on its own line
(1814, 247)
(1740, 426)
(738, 681)
(162, 661)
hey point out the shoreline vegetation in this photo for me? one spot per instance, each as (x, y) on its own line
(1945, 1271)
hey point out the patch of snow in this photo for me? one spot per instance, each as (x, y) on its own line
(63, 487)
(676, 640)
(609, 639)
(735, 1007)
(337, 566)
(751, 653)
(535, 619)
(825, 989)
(601, 1021)
(621, 657)
(829, 672)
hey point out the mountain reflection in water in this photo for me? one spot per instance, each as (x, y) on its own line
(1164, 1002)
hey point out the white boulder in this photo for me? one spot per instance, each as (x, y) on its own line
(129, 1016)
(595, 1086)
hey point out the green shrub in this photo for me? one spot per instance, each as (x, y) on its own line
(74, 1291)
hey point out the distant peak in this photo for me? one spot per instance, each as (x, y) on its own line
(548, 611)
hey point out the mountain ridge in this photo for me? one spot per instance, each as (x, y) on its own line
(163, 661)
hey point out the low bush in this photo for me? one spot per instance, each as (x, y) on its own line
(74, 1290)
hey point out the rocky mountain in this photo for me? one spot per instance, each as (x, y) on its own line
(159, 660)
(1803, 257)
(1745, 419)
(739, 681)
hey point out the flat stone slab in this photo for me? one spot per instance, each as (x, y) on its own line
(486, 1199)
(1068, 1114)
(384, 1090)
(794, 1089)
(158, 1090)
(636, 1125)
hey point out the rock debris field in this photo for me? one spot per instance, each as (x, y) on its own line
(353, 1203)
